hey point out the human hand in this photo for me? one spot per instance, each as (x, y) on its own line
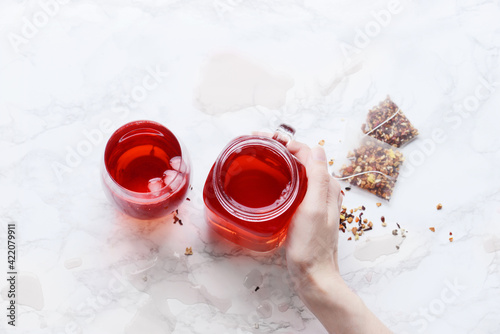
(312, 251)
(312, 239)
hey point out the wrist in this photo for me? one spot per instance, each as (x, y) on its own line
(323, 285)
(338, 308)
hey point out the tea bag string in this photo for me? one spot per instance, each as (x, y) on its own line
(363, 173)
(387, 120)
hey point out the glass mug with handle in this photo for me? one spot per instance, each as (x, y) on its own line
(253, 190)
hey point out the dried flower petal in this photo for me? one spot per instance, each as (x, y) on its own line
(387, 123)
(373, 169)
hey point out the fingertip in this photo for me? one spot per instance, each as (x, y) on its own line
(295, 146)
(318, 154)
(300, 150)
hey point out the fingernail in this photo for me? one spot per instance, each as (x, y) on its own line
(318, 154)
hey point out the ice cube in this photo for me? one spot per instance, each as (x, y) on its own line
(178, 164)
(172, 179)
(155, 184)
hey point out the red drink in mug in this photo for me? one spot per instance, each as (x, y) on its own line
(253, 190)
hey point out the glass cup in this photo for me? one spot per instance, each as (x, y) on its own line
(253, 190)
(146, 170)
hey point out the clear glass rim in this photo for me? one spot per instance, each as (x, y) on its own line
(248, 213)
(135, 196)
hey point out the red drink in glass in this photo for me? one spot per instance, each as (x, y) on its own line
(146, 171)
(252, 191)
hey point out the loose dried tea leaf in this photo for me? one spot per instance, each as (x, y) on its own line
(387, 123)
(360, 226)
(374, 168)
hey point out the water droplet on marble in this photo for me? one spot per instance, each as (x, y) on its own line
(283, 307)
(375, 247)
(220, 303)
(149, 320)
(253, 279)
(141, 266)
(492, 244)
(29, 289)
(230, 83)
(278, 297)
(265, 310)
(72, 263)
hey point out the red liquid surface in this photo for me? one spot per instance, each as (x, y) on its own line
(255, 181)
(137, 155)
(254, 178)
(136, 166)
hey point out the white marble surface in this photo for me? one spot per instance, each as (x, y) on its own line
(212, 70)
